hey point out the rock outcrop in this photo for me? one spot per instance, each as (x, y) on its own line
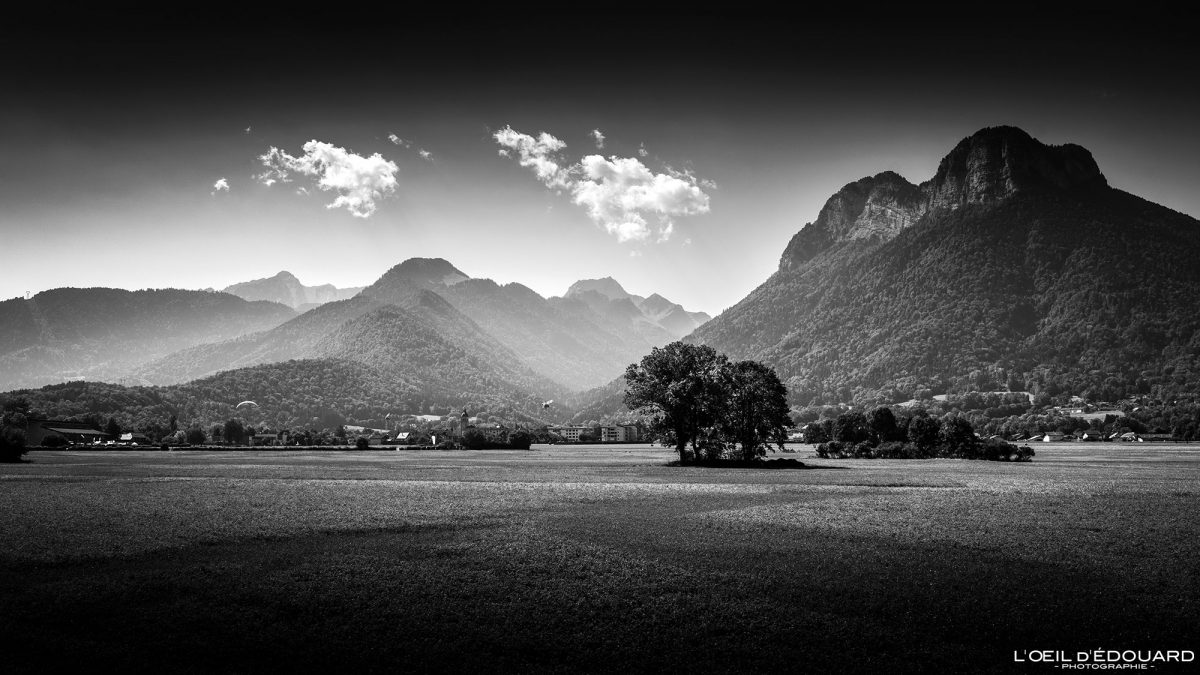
(987, 167)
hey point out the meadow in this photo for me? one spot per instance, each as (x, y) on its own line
(592, 558)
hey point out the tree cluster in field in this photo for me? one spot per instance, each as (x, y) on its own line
(699, 398)
(12, 430)
(880, 434)
(478, 439)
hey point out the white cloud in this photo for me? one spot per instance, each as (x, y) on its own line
(503, 152)
(537, 154)
(247, 130)
(221, 185)
(618, 193)
(359, 181)
(302, 191)
(598, 136)
(396, 140)
(642, 151)
(425, 154)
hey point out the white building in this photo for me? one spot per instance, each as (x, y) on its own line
(621, 433)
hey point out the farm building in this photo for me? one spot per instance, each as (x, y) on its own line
(269, 438)
(131, 438)
(37, 431)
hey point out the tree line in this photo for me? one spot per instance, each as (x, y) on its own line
(880, 434)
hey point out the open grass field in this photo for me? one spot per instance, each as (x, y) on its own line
(601, 559)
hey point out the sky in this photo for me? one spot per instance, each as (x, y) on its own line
(675, 153)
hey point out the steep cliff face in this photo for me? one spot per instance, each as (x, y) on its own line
(985, 168)
(998, 162)
(875, 207)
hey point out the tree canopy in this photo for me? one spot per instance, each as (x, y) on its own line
(699, 398)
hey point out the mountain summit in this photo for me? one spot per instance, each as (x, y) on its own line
(286, 289)
(1015, 267)
(608, 287)
(656, 309)
(423, 271)
(985, 168)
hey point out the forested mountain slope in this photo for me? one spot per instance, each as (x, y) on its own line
(105, 333)
(1016, 266)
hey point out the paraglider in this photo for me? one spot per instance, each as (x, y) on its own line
(547, 404)
(239, 406)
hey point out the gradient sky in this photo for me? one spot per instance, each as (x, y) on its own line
(115, 126)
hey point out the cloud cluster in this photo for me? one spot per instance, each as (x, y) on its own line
(598, 136)
(537, 154)
(618, 193)
(359, 181)
(221, 185)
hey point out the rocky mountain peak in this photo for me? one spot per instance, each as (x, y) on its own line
(286, 289)
(606, 286)
(994, 163)
(878, 207)
(986, 167)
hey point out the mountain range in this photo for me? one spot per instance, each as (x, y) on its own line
(569, 343)
(1016, 266)
(430, 336)
(106, 333)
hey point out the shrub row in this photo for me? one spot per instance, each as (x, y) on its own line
(993, 449)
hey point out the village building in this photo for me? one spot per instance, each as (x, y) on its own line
(268, 438)
(621, 433)
(570, 434)
(617, 433)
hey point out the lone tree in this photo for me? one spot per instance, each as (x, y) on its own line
(681, 382)
(234, 431)
(757, 410)
(703, 399)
